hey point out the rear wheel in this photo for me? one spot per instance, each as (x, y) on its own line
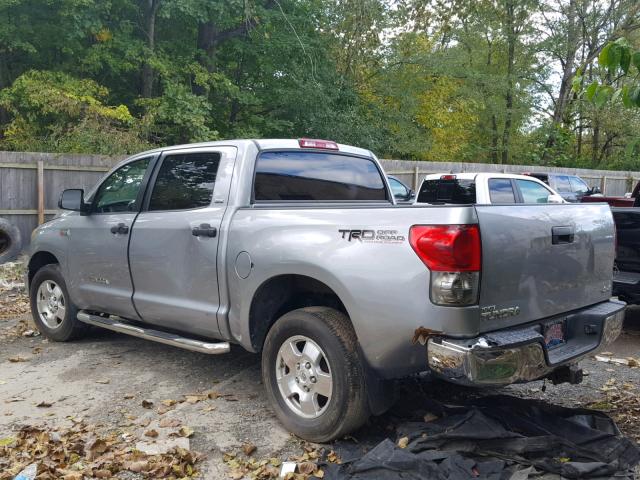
(314, 375)
(53, 312)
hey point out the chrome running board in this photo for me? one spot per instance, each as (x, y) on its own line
(114, 323)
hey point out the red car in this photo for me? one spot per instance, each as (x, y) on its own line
(632, 201)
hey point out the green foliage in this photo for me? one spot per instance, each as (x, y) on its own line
(467, 80)
(53, 111)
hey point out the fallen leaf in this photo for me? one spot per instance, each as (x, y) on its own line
(147, 403)
(18, 359)
(6, 441)
(248, 448)
(151, 433)
(319, 474)
(403, 442)
(43, 404)
(129, 396)
(94, 447)
(168, 403)
(185, 431)
(138, 466)
(194, 398)
(169, 423)
(103, 381)
(307, 468)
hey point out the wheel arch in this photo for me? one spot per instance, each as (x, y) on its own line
(283, 293)
(39, 260)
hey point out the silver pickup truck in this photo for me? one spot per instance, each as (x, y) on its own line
(295, 249)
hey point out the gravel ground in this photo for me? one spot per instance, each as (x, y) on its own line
(104, 379)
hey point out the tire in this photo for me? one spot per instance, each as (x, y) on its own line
(55, 317)
(10, 242)
(321, 413)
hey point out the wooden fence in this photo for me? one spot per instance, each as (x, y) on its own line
(31, 183)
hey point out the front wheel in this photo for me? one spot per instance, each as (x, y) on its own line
(53, 312)
(313, 374)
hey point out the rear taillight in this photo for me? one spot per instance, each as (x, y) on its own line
(453, 253)
(447, 248)
(447, 177)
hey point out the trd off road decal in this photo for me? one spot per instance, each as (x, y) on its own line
(372, 236)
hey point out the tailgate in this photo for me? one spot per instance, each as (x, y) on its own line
(543, 260)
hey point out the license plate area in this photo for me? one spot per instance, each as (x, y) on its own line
(555, 334)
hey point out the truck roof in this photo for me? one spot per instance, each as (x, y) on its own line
(262, 144)
(476, 175)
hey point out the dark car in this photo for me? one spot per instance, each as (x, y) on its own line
(401, 192)
(626, 276)
(571, 187)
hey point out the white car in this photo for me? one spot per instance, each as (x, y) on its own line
(484, 189)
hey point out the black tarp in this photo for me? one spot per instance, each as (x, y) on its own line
(498, 438)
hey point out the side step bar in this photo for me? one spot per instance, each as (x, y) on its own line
(113, 323)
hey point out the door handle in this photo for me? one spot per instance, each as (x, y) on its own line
(204, 230)
(120, 228)
(560, 235)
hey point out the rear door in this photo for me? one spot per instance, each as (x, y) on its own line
(174, 242)
(543, 260)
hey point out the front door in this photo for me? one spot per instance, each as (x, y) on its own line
(98, 267)
(174, 243)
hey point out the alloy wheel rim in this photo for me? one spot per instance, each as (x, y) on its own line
(51, 304)
(304, 376)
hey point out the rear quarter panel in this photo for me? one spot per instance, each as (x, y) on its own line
(383, 284)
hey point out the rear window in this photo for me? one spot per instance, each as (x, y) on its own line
(456, 191)
(317, 176)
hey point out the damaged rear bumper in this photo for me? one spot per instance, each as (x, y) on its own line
(520, 355)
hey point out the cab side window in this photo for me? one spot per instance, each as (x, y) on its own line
(185, 181)
(398, 189)
(501, 190)
(578, 185)
(119, 192)
(562, 183)
(532, 192)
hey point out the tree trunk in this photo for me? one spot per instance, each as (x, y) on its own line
(511, 50)
(151, 8)
(4, 82)
(568, 63)
(494, 139)
(595, 149)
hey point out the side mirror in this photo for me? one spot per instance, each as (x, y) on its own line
(412, 194)
(555, 199)
(73, 199)
(595, 189)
